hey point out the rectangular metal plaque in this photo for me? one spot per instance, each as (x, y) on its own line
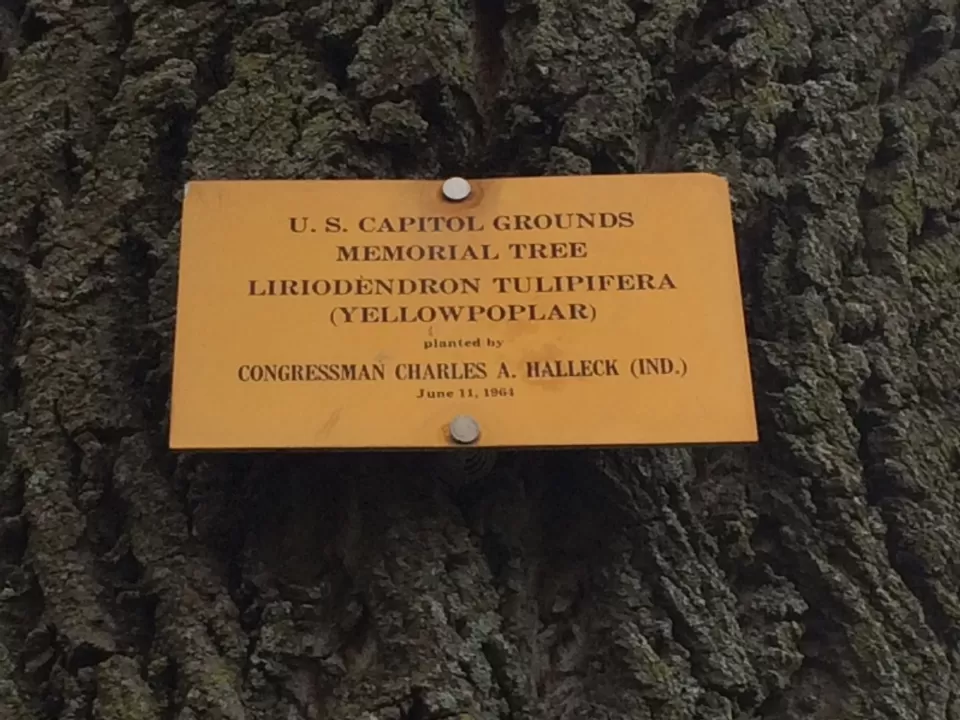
(554, 311)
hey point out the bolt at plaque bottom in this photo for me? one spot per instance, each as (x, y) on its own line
(464, 430)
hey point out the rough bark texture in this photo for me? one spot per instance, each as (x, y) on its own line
(813, 576)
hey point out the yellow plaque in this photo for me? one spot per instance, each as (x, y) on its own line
(543, 312)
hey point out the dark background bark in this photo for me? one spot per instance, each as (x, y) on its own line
(814, 575)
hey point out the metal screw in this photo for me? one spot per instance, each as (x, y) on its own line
(456, 189)
(464, 430)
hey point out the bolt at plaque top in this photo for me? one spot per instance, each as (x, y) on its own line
(456, 189)
(559, 312)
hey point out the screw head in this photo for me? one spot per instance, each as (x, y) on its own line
(464, 430)
(456, 189)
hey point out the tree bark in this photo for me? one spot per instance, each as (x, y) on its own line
(814, 575)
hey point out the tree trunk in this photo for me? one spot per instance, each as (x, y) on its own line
(814, 575)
